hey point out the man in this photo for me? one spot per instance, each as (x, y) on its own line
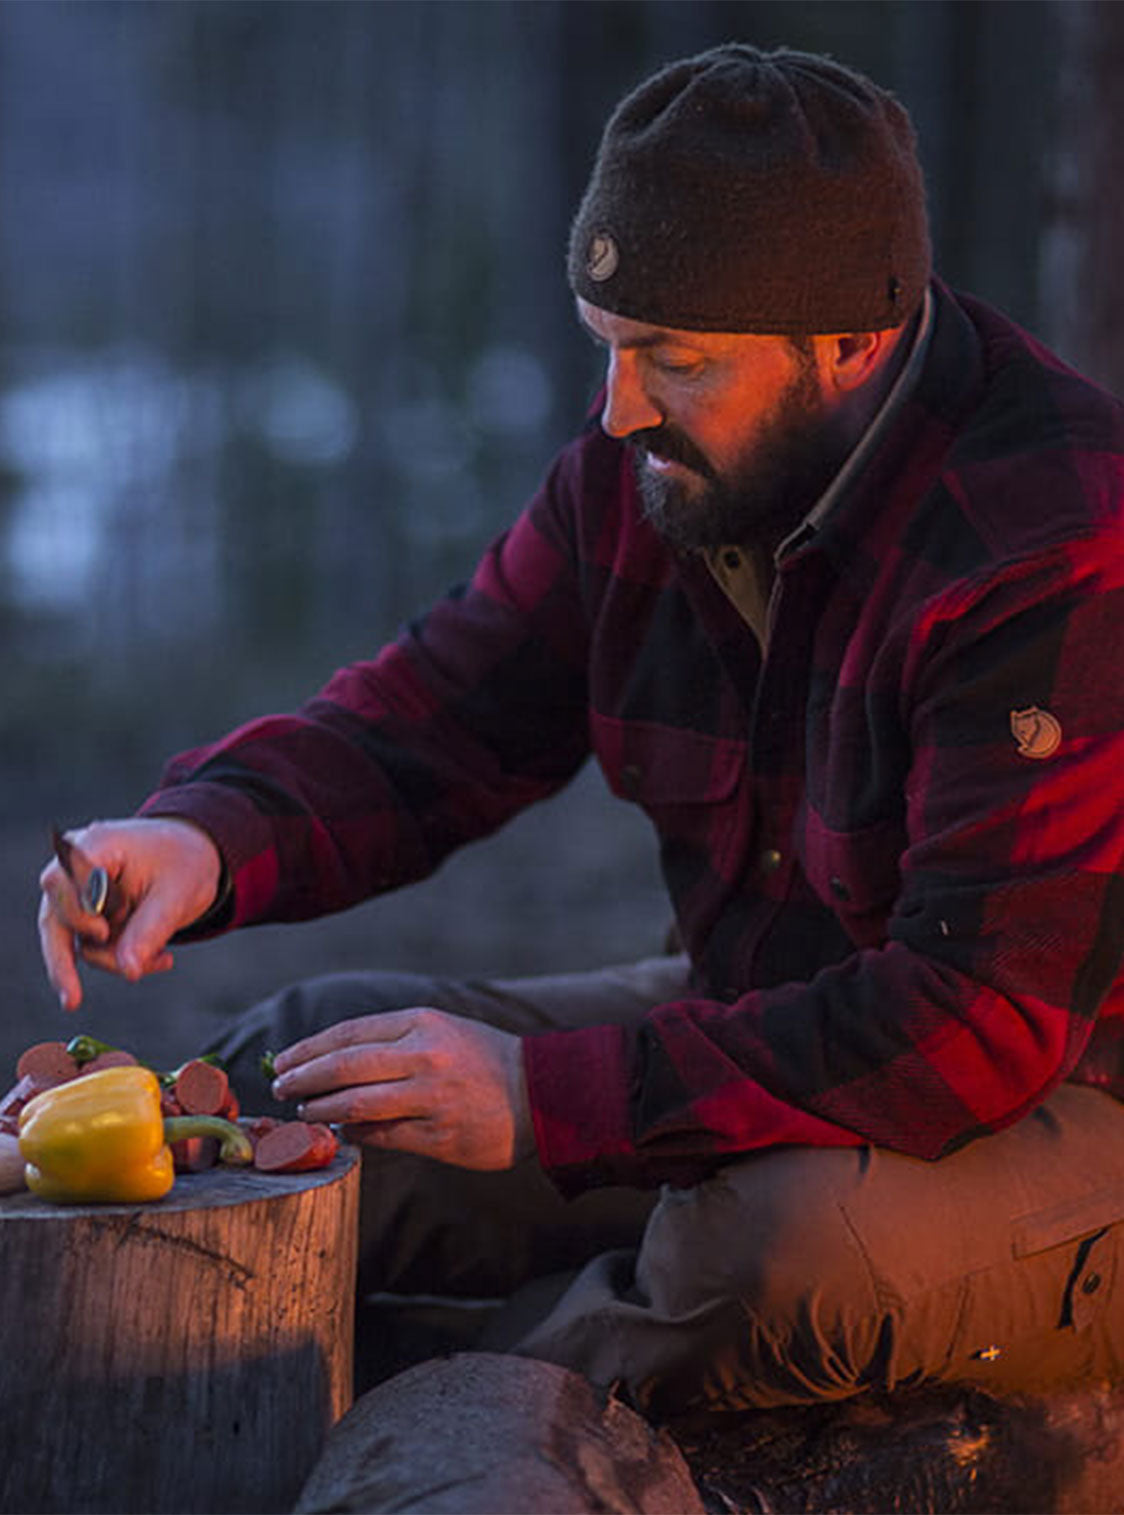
(833, 587)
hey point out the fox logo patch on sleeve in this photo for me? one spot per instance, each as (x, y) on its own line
(1037, 733)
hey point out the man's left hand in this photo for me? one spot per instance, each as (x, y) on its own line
(418, 1080)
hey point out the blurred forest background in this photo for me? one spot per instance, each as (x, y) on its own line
(285, 338)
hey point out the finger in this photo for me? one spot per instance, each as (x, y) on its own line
(63, 924)
(63, 900)
(364, 1064)
(107, 959)
(387, 1026)
(56, 943)
(365, 1104)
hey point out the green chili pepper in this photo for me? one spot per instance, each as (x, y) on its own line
(83, 1049)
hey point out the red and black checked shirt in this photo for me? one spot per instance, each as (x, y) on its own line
(895, 848)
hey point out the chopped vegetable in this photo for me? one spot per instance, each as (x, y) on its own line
(11, 1165)
(103, 1137)
(24, 1092)
(83, 1049)
(234, 1145)
(98, 1138)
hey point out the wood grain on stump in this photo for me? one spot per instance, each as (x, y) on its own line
(187, 1355)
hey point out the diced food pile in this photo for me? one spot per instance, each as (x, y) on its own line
(84, 1122)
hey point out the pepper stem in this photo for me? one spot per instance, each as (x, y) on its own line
(236, 1147)
(83, 1049)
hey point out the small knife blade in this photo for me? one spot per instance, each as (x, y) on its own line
(96, 890)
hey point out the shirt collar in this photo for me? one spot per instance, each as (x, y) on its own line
(875, 432)
(743, 577)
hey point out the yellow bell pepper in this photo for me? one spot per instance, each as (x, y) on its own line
(103, 1137)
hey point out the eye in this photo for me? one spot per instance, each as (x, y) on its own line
(682, 365)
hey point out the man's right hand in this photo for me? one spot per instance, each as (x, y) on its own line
(168, 873)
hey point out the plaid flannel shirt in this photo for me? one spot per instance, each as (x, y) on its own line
(894, 843)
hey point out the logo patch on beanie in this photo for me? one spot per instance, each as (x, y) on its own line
(603, 258)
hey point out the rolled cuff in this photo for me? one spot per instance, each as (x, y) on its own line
(242, 837)
(578, 1086)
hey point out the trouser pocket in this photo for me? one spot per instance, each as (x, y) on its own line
(1048, 1316)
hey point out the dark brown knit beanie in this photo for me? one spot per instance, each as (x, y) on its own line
(743, 190)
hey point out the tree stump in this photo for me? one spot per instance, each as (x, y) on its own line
(187, 1355)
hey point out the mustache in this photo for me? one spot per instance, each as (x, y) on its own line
(667, 442)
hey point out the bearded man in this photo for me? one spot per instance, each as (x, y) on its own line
(831, 585)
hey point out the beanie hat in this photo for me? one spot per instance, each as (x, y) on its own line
(743, 190)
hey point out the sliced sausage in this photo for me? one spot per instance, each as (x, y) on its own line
(47, 1060)
(295, 1146)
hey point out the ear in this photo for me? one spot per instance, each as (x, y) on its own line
(855, 357)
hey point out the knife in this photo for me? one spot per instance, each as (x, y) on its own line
(96, 890)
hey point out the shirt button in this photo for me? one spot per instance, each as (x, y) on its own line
(770, 860)
(839, 889)
(1090, 1283)
(631, 776)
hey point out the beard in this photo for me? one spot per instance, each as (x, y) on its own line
(764, 495)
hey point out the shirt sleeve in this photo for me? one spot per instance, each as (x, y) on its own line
(1003, 945)
(477, 710)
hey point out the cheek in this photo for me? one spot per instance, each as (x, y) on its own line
(732, 430)
(723, 421)
(723, 446)
(700, 423)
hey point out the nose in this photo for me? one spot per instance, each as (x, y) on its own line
(628, 405)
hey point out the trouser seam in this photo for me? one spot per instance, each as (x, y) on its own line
(885, 1297)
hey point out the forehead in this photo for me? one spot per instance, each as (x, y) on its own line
(624, 332)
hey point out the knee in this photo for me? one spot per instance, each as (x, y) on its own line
(769, 1232)
(762, 1265)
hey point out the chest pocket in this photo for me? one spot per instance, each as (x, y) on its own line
(856, 873)
(662, 768)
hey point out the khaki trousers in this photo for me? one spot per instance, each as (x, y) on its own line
(791, 1276)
